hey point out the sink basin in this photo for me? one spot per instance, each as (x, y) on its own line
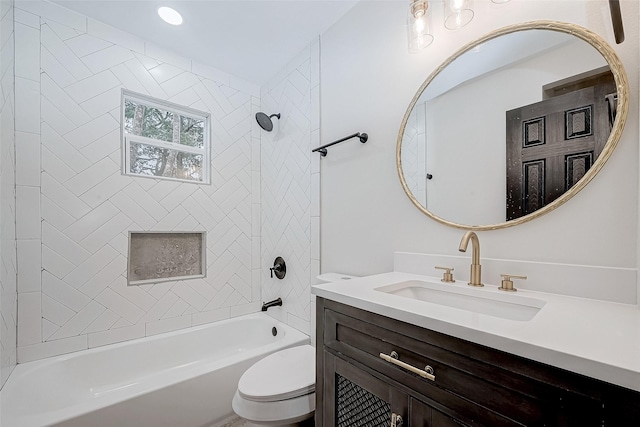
(481, 301)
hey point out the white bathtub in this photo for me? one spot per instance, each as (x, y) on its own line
(185, 378)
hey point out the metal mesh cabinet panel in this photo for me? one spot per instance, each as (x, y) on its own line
(357, 407)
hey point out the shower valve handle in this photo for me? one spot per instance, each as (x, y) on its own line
(279, 267)
(276, 268)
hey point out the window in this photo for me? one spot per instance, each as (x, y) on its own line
(164, 140)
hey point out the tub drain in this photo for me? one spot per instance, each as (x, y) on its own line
(274, 331)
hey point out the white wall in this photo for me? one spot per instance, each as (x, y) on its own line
(290, 187)
(368, 80)
(8, 264)
(75, 208)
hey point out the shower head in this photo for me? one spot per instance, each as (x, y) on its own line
(265, 121)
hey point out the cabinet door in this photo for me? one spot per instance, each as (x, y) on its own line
(355, 398)
(423, 415)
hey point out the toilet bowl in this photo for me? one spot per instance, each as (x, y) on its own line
(278, 390)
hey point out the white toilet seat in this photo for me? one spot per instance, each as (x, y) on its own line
(279, 389)
(282, 375)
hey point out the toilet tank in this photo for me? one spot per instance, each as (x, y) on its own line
(333, 277)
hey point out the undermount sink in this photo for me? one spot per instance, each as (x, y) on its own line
(482, 301)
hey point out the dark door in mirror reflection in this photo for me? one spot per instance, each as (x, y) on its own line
(551, 144)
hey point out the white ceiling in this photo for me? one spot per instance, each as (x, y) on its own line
(250, 39)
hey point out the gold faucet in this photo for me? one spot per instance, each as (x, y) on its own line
(475, 278)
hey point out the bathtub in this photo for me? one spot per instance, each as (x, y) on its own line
(185, 378)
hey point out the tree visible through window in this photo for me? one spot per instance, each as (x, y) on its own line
(165, 140)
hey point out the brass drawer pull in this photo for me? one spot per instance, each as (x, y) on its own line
(427, 373)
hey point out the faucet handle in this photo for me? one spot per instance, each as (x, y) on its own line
(507, 283)
(447, 276)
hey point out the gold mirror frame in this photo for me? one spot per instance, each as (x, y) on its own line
(622, 86)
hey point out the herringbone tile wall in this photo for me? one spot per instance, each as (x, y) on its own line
(8, 263)
(286, 171)
(75, 207)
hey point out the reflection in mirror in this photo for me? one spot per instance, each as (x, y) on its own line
(507, 127)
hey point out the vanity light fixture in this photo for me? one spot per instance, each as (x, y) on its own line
(457, 14)
(169, 15)
(419, 25)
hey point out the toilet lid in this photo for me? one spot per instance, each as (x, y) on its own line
(282, 375)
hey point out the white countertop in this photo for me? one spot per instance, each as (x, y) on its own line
(599, 339)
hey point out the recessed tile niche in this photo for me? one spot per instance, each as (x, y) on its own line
(165, 256)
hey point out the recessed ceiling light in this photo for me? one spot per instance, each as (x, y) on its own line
(169, 15)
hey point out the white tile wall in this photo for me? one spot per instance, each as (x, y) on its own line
(116, 335)
(52, 348)
(105, 32)
(27, 41)
(8, 252)
(75, 208)
(29, 274)
(290, 191)
(74, 22)
(28, 211)
(29, 318)
(314, 72)
(27, 159)
(26, 18)
(27, 106)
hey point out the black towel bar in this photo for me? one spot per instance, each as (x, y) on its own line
(323, 149)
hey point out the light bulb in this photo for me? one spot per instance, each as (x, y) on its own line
(419, 25)
(456, 5)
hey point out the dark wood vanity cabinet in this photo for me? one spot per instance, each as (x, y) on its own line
(474, 385)
(362, 399)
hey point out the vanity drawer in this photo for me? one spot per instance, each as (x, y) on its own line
(473, 381)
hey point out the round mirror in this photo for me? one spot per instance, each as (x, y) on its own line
(512, 125)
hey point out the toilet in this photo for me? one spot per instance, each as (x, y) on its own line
(279, 390)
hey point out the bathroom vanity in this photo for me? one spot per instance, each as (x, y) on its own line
(381, 361)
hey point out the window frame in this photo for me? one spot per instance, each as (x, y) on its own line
(127, 139)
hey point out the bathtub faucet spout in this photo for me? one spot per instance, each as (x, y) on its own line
(273, 303)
